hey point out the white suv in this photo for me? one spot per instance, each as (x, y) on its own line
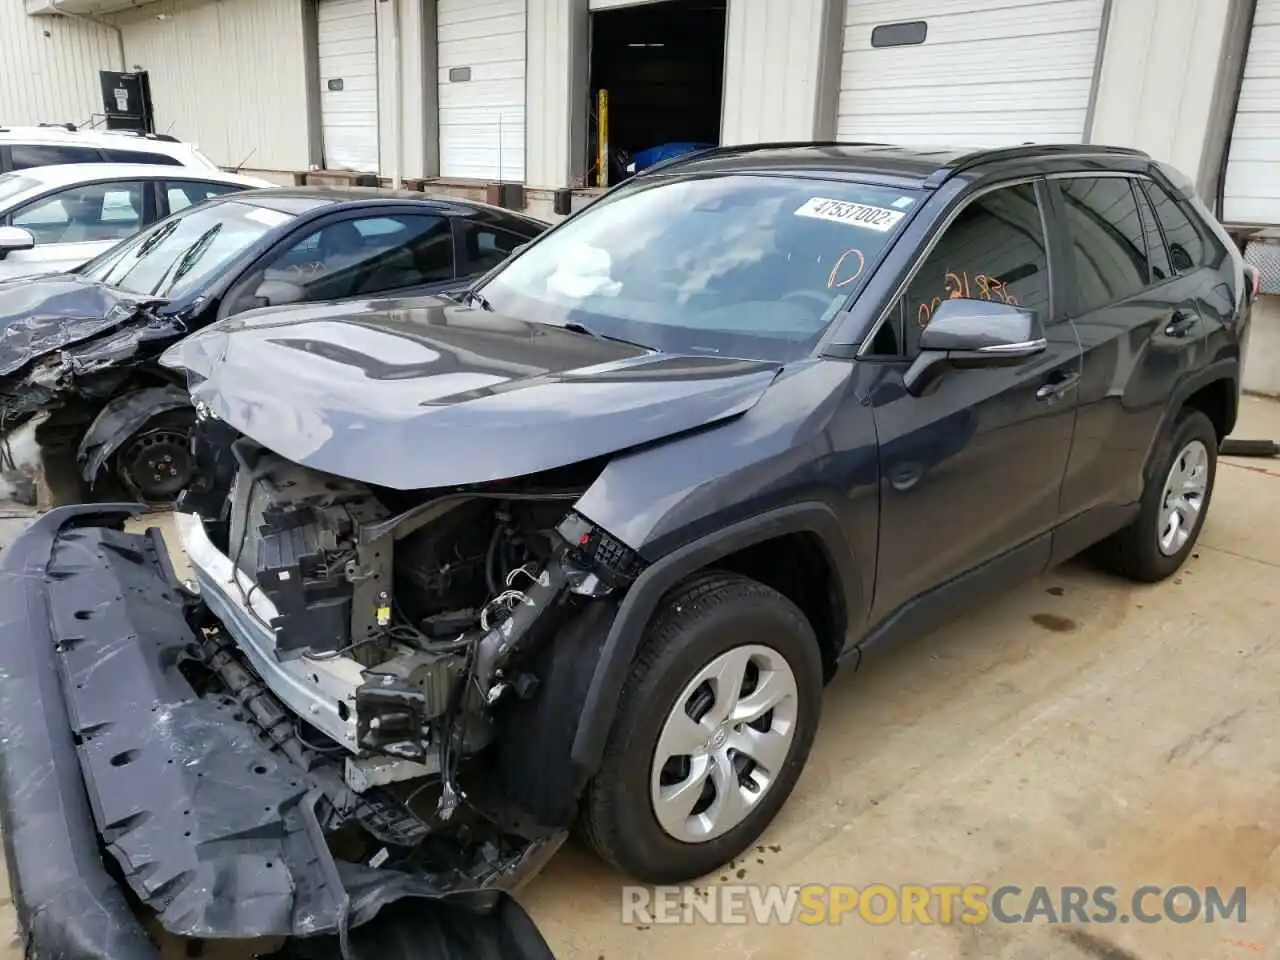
(24, 147)
(53, 219)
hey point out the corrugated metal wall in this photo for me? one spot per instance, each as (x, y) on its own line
(1252, 190)
(229, 76)
(49, 66)
(777, 55)
(482, 117)
(988, 73)
(1155, 90)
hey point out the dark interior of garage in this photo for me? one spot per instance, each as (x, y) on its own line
(663, 67)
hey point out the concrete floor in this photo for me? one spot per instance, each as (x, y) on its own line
(1079, 731)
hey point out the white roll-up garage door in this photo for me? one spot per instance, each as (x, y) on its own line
(348, 42)
(482, 63)
(988, 72)
(1251, 194)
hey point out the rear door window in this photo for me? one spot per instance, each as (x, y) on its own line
(1107, 242)
(25, 155)
(1157, 255)
(486, 246)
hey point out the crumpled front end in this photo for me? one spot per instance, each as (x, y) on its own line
(69, 348)
(145, 770)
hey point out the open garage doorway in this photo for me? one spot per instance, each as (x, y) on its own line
(662, 67)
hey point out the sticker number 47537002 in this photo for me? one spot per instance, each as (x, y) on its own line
(854, 214)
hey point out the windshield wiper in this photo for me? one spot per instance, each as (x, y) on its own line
(470, 297)
(575, 327)
(189, 259)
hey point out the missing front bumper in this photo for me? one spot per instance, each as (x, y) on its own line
(107, 744)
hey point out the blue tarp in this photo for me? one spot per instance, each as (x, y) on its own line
(665, 151)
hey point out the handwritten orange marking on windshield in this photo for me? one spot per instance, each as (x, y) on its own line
(956, 286)
(835, 270)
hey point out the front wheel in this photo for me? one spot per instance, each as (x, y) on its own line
(156, 463)
(1174, 504)
(714, 726)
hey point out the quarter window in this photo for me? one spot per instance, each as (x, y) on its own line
(994, 250)
(26, 155)
(141, 156)
(1186, 247)
(1107, 242)
(183, 194)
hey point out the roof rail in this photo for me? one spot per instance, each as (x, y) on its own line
(995, 154)
(60, 126)
(730, 150)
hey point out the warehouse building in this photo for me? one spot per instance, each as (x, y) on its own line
(479, 91)
(470, 93)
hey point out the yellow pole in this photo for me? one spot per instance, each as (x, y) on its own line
(602, 145)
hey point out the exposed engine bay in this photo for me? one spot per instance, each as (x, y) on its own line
(390, 625)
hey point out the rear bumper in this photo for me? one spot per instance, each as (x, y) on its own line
(106, 745)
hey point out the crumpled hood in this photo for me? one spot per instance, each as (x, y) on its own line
(425, 393)
(42, 314)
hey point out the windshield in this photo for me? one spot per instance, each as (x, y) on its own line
(15, 184)
(745, 266)
(180, 253)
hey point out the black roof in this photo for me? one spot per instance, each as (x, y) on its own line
(926, 166)
(303, 200)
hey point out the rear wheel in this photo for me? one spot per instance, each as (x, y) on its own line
(713, 729)
(156, 463)
(1173, 507)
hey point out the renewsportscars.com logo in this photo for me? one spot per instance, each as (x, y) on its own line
(943, 903)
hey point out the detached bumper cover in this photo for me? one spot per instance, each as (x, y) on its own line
(67, 904)
(105, 742)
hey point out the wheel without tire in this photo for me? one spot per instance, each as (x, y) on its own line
(1174, 504)
(156, 463)
(714, 726)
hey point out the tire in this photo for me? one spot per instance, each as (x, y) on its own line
(715, 618)
(1135, 552)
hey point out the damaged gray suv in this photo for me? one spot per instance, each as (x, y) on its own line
(582, 547)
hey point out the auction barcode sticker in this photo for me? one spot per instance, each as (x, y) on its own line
(854, 214)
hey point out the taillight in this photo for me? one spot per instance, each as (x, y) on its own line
(1255, 280)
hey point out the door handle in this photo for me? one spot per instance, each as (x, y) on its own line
(1180, 324)
(1058, 386)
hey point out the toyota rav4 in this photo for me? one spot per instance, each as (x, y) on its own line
(583, 546)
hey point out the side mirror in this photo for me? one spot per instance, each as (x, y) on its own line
(15, 238)
(274, 293)
(966, 334)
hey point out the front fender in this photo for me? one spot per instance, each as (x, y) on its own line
(118, 420)
(627, 628)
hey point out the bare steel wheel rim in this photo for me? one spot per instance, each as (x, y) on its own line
(724, 743)
(156, 466)
(1183, 498)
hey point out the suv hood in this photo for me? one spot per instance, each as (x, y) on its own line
(424, 393)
